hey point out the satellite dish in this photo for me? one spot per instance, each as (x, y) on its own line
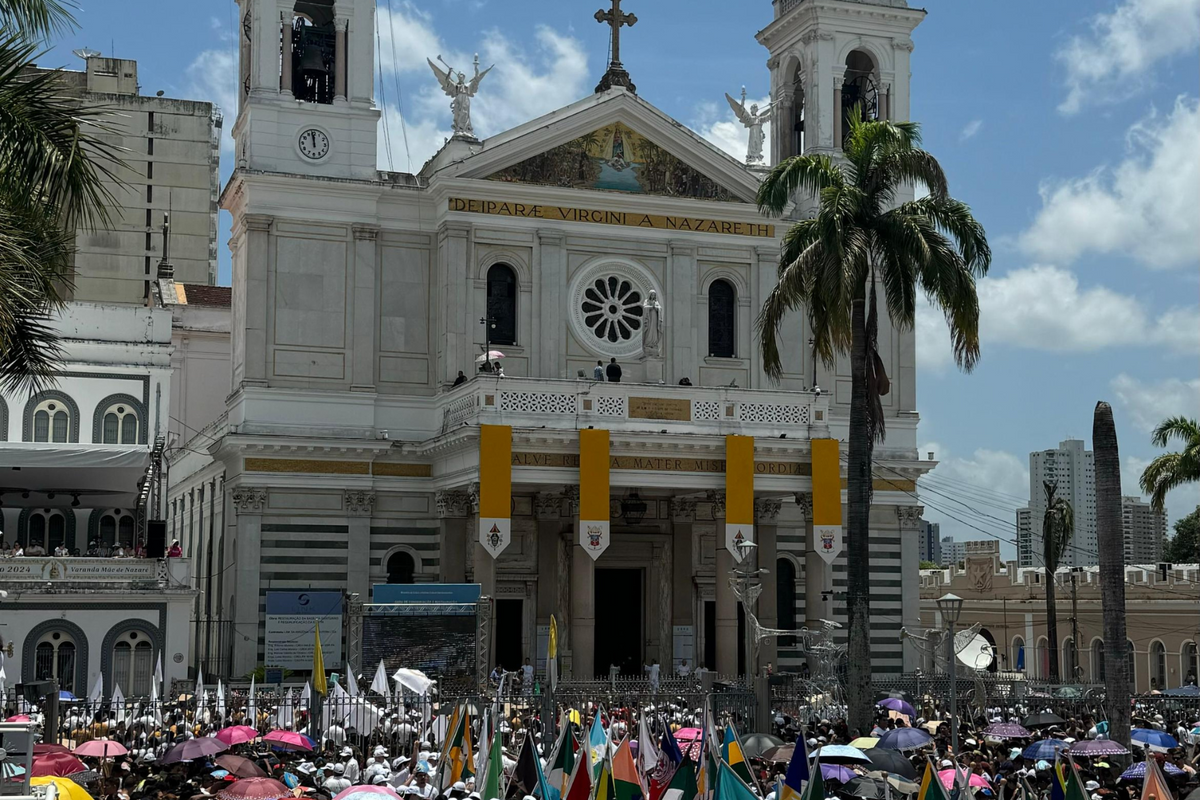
(86, 52)
(977, 654)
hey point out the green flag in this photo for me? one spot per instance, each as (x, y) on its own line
(683, 782)
(495, 768)
(731, 787)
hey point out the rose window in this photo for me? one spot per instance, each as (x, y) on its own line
(612, 309)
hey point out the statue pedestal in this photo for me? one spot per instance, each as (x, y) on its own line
(654, 369)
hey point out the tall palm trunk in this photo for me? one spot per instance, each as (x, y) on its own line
(1051, 615)
(858, 503)
(1112, 569)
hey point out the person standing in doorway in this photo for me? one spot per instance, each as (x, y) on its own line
(613, 371)
(598, 371)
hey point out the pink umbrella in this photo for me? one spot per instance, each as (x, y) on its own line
(59, 764)
(288, 739)
(101, 748)
(255, 789)
(947, 776)
(361, 792)
(19, 718)
(237, 734)
(687, 733)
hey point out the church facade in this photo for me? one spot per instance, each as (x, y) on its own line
(349, 452)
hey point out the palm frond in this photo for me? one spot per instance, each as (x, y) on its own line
(911, 165)
(37, 19)
(953, 218)
(1181, 428)
(813, 174)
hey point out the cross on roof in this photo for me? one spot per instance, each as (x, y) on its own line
(616, 74)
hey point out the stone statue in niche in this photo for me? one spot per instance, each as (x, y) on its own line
(460, 93)
(652, 326)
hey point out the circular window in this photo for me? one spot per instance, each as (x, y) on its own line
(606, 307)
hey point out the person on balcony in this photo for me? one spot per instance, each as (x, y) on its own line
(62, 551)
(36, 549)
(175, 551)
(598, 371)
(139, 549)
(613, 371)
(461, 379)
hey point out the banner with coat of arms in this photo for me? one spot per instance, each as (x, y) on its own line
(495, 488)
(593, 492)
(739, 493)
(827, 499)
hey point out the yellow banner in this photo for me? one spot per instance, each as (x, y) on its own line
(593, 492)
(495, 487)
(827, 499)
(739, 493)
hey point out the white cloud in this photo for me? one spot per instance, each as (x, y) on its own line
(1148, 404)
(717, 123)
(213, 77)
(1044, 308)
(1144, 208)
(1117, 55)
(970, 129)
(989, 485)
(414, 40)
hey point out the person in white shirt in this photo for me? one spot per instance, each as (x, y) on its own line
(652, 672)
(377, 767)
(421, 787)
(683, 670)
(336, 782)
(527, 677)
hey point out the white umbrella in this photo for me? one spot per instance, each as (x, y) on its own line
(490, 355)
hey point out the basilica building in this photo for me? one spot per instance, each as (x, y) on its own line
(366, 440)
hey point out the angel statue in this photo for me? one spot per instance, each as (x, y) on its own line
(753, 120)
(460, 93)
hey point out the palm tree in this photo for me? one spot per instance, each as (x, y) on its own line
(1172, 470)
(830, 266)
(53, 168)
(1111, 540)
(1058, 525)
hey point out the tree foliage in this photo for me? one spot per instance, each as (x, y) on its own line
(1172, 470)
(1184, 546)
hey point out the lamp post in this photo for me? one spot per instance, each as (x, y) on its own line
(950, 605)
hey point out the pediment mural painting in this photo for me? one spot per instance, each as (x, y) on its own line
(615, 158)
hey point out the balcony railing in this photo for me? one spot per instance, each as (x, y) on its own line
(68, 573)
(634, 407)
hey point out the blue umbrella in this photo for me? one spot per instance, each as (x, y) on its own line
(836, 772)
(841, 752)
(1138, 771)
(1044, 749)
(1190, 690)
(904, 739)
(63, 694)
(1157, 740)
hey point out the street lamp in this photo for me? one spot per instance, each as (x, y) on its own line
(950, 605)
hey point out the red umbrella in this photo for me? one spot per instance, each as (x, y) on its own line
(101, 748)
(254, 789)
(239, 766)
(46, 748)
(237, 734)
(58, 765)
(288, 739)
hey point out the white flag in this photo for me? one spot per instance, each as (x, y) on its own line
(3, 676)
(158, 672)
(200, 699)
(220, 702)
(286, 714)
(648, 755)
(118, 703)
(306, 697)
(251, 709)
(351, 683)
(155, 704)
(97, 692)
(379, 684)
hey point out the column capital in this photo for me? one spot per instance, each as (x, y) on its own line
(365, 232)
(249, 500)
(717, 499)
(909, 516)
(804, 500)
(766, 509)
(571, 495)
(547, 506)
(358, 502)
(258, 222)
(452, 503)
(683, 509)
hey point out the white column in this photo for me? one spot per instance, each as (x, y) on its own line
(453, 508)
(249, 503)
(550, 274)
(682, 289)
(363, 310)
(359, 506)
(910, 592)
(454, 307)
(256, 312)
(286, 15)
(340, 25)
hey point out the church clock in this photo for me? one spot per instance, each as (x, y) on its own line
(314, 144)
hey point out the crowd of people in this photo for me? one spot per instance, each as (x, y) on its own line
(96, 548)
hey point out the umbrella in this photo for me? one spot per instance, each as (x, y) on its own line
(901, 785)
(865, 742)
(896, 704)
(1190, 690)
(101, 748)
(781, 754)
(904, 739)
(237, 734)
(892, 761)
(1043, 720)
(60, 764)
(837, 753)
(896, 693)
(1155, 740)
(754, 745)
(67, 789)
(490, 355)
(1097, 747)
(836, 772)
(864, 786)
(240, 766)
(1006, 730)
(18, 718)
(687, 733)
(47, 748)
(289, 739)
(1044, 750)
(254, 789)
(947, 777)
(1138, 771)
(365, 792)
(63, 694)
(192, 749)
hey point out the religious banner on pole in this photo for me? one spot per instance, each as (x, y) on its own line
(739, 493)
(495, 488)
(593, 492)
(827, 499)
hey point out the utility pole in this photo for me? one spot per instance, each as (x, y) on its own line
(1076, 667)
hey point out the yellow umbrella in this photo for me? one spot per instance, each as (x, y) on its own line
(67, 789)
(865, 742)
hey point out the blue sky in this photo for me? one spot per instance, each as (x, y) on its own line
(1070, 128)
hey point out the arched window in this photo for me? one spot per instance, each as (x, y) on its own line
(860, 87)
(1043, 657)
(58, 532)
(125, 530)
(120, 424)
(37, 529)
(51, 421)
(722, 302)
(1158, 666)
(401, 568)
(133, 657)
(108, 530)
(1191, 664)
(1098, 674)
(785, 598)
(502, 304)
(1018, 653)
(54, 659)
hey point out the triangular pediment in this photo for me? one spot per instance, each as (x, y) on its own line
(609, 142)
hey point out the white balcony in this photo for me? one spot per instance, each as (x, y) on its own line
(48, 573)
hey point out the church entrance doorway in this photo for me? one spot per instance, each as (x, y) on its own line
(509, 614)
(619, 620)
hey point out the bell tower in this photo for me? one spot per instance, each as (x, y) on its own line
(826, 56)
(306, 87)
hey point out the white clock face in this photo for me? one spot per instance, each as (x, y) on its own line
(314, 144)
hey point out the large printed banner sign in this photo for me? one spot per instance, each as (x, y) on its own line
(495, 488)
(739, 493)
(827, 499)
(593, 492)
